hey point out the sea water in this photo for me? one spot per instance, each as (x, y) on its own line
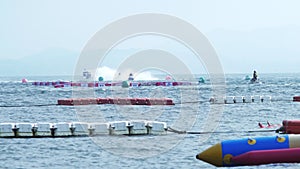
(192, 111)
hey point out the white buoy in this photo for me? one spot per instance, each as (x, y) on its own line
(238, 99)
(257, 99)
(169, 83)
(83, 85)
(138, 127)
(134, 84)
(62, 129)
(43, 129)
(248, 99)
(80, 128)
(155, 127)
(25, 129)
(98, 129)
(6, 129)
(217, 100)
(119, 127)
(101, 84)
(229, 100)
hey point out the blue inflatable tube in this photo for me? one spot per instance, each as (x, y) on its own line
(221, 153)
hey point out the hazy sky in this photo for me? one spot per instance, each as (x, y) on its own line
(247, 35)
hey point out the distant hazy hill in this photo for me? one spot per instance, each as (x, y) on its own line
(48, 62)
(269, 50)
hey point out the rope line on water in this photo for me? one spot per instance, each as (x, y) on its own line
(217, 103)
(35, 105)
(216, 132)
(197, 101)
(180, 103)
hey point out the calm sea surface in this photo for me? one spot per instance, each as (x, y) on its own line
(166, 151)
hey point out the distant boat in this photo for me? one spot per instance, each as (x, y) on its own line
(86, 74)
(201, 80)
(130, 77)
(247, 77)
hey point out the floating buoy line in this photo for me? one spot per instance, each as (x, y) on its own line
(158, 101)
(81, 129)
(130, 128)
(61, 84)
(33, 105)
(217, 132)
(84, 129)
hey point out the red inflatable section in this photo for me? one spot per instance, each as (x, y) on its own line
(296, 98)
(291, 127)
(259, 157)
(118, 101)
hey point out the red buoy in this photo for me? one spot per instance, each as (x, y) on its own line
(59, 86)
(290, 127)
(296, 98)
(24, 80)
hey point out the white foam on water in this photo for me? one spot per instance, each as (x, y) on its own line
(110, 74)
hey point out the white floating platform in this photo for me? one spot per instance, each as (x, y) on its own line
(79, 128)
(69, 129)
(138, 127)
(157, 127)
(61, 129)
(238, 99)
(98, 129)
(25, 129)
(6, 129)
(43, 129)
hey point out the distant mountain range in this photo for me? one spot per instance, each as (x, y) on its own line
(268, 50)
(48, 62)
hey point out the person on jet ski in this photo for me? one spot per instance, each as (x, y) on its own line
(254, 78)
